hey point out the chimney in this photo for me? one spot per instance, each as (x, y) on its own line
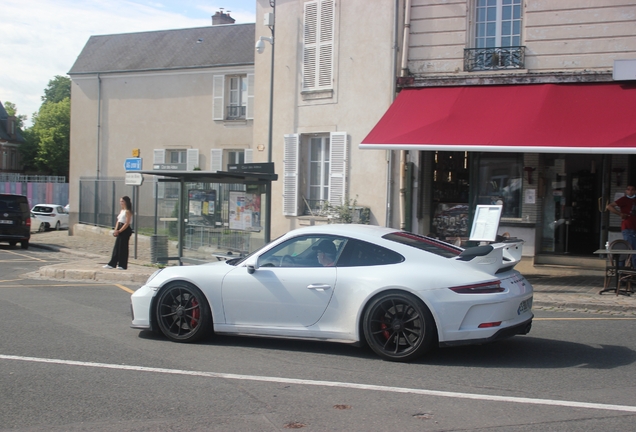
(222, 18)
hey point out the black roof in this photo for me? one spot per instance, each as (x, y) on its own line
(211, 176)
(221, 45)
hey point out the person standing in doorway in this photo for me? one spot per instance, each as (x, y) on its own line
(625, 207)
(122, 234)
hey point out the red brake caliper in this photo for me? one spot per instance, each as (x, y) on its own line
(385, 332)
(196, 313)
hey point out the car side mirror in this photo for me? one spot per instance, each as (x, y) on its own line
(252, 265)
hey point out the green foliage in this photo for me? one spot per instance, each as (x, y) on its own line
(12, 110)
(47, 143)
(59, 88)
(347, 213)
(51, 134)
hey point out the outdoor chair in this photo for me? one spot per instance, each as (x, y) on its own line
(623, 261)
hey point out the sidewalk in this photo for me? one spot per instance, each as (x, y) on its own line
(555, 287)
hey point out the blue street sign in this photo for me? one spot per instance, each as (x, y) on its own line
(132, 164)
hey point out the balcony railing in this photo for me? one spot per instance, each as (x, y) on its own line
(235, 112)
(479, 59)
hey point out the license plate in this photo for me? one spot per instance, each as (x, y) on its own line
(6, 222)
(524, 306)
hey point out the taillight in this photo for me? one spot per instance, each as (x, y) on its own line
(490, 324)
(481, 288)
(28, 222)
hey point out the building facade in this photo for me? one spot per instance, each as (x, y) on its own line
(10, 140)
(519, 104)
(334, 76)
(175, 99)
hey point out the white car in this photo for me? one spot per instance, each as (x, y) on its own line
(398, 292)
(53, 215)
(37, 224)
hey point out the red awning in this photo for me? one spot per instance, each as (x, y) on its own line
(539, 118)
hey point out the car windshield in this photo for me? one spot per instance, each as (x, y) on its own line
(43, 209)
(424, 243)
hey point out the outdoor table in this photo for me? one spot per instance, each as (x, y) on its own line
(616, 266)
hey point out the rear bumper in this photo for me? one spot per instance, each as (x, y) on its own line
(519, 329)
(14, 237)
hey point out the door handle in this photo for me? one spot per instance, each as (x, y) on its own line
(319, 287)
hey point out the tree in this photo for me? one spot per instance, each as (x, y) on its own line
(12, 110)
(51, 132)
(59, 88)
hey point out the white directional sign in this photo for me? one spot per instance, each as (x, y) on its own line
(134, 179)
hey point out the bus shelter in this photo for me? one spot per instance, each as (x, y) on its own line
(199, 202)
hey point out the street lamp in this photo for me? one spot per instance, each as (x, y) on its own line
(269, 20)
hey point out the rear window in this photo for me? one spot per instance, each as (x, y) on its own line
(43, 209)
(424, 243)
(12, 202)
(358, 253)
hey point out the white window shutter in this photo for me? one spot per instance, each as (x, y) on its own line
(325, 53)
(249, 110)
(318, 42)
(310, 45)
(192, 159)
(158, 156)
(218, 93)
(249, 155)
(337, 168)
(290, 176)
(216, 160)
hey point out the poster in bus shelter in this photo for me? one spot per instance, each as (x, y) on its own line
(245, 211)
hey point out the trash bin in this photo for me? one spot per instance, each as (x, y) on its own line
(159, 249)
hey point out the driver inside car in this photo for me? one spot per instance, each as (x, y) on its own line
(326, 253)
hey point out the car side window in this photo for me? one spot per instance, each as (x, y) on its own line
(303, 251)
(359, 253)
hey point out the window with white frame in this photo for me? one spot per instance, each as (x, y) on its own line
(315, 171)
(176, 156)
(233, 97)
(318, 45)
(318, 170)
(187, 159)
(219, 158)
(497, 23)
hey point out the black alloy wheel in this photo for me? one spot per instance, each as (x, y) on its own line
(182, 312)
(398, 327)
(57, 226)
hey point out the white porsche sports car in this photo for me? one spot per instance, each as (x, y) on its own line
(398, 292)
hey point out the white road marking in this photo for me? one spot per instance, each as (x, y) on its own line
(456, 395)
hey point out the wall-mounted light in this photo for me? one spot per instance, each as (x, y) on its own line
(618, 172)
(529, 171)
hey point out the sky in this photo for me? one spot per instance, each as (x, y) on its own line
(40, 39)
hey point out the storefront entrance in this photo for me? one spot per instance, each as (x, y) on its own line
(571, 186)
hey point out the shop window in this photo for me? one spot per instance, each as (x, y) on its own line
(501, 182)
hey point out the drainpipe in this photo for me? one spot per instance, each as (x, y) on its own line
(389, 153)
(99, 126)
(404, 72)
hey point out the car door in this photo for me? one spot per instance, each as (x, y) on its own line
(288, 289)
(63, 216)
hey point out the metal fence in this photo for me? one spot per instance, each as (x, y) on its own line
(38, 192)
(156, 208)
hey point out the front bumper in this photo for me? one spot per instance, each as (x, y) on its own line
(140, 304)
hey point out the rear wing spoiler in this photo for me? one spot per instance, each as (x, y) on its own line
(493, 258)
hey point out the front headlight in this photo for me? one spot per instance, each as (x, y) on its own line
(152, 276)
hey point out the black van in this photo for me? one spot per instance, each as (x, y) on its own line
(15, 220)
